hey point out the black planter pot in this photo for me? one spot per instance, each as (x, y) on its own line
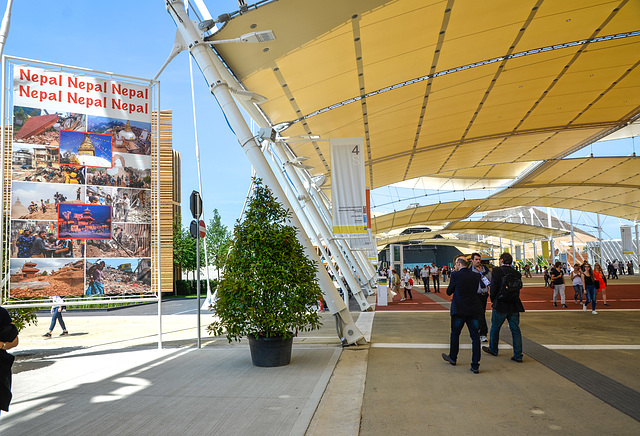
(269, 352)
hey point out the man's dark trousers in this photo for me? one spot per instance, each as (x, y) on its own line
(457, 323)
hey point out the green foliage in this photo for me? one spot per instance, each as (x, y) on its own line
(184, 248)
(190, 287)
(24, 317)
(541, 262)
(218, 242)
(269, 287)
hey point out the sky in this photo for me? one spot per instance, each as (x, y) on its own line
(135, 38)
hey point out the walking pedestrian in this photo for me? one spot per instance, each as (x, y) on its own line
(465, 308)
(506, 283)
(483, 293)
(589, 280)
(576, 281)
(435, 276)
(597, 270)
(424, 273)
(557, 276)
(56, 316)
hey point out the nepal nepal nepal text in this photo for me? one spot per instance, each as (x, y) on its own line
(54, 88)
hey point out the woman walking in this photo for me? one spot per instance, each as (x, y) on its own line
(589, 280)
(576, 279)
(603, 282)
(407, 285)
(395, 281)
(56, 315)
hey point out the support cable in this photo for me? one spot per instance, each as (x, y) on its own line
(208, 302)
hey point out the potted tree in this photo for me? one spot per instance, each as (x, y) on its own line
(269, 289)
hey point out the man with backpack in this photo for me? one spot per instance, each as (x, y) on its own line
(506, 283)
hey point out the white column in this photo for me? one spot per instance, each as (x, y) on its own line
(600, 239)
(203, 56)
(319, 224)
(637, 265)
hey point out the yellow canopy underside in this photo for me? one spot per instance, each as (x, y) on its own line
(466, 90)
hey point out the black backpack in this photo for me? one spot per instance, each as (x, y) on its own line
(510, 288)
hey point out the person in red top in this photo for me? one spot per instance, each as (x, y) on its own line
(603, 284)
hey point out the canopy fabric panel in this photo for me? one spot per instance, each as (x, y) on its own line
(606, 185)
(432, 215)
(505, 230)
(442, 86)
(426, 238)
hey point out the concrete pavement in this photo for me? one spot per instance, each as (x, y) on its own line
(108, 377)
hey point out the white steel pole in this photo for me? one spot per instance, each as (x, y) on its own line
(324, 232)
(637, 248)
(600, 239)
(203, 56)
(573, 242)
(4, 33)
(285, 154)
(158, 274)
(208, 301)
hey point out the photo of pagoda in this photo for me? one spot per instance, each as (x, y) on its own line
(46, 277)
(84, 221)
(85, 149)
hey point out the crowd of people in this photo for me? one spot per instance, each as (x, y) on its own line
(614, 268)
(65, 174)
(472, 284)
(130, 180)
(42, 244)
(586, 280)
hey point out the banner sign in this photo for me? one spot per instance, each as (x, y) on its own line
(627, 241)
(518, 252)
(545, 249)
(81, 185)
(61, 92)
(349, 206)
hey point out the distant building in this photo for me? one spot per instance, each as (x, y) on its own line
(22, 157)
(29, 270)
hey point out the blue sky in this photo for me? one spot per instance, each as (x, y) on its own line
(136, 42)
(67, 34)
(70, 141)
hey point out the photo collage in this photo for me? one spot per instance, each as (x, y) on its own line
(80, 205)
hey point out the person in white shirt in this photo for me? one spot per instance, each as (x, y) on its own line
(576, 281)
(56, 315)
(483, 293)
(424, 273)
(407, 285)
(435, 275)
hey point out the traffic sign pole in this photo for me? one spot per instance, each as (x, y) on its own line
(198, 287)
(195, 204)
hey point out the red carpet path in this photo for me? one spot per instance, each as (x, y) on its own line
(625, 296)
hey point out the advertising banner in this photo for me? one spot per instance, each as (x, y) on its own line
(81, 185)
(545, 249)
(627, 241)
(349, 206)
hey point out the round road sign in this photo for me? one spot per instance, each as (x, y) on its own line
(203, 231)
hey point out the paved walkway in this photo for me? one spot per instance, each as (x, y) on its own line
(580, 375)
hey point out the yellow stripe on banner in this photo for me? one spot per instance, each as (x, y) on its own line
(349, 229)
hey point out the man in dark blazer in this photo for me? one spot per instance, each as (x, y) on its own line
(465, 308)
